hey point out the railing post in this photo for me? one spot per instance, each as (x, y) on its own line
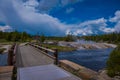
(10, 57)
(46, 50)
(39, 46)
(56, 56)
(14, 53)
(14, 73)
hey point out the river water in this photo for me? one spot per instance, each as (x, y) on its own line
(3, 59)
(94, 59)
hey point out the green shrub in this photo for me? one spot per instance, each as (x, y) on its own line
(2, 50)
(69, 38)
(113, 63)
(42, 38)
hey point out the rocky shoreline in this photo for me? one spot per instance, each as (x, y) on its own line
(87, 45)
(83, 72)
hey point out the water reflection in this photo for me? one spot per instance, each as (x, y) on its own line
(93, 59)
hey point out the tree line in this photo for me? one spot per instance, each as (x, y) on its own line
(67, 38)
(24, 36)
(110, 38)
(14, 36)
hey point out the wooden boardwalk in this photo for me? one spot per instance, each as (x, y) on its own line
(45, 72)
(32, 64)
(6, 72)
(28, 56)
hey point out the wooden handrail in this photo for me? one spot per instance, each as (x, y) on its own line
(38, 46)
(46, 50)
(12, 54)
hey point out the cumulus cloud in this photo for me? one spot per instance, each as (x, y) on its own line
(108, 30)
(44, 6)
(25, 16)
(28, 20)
(116, 19)
(69, 10)
(5, 28)
(47, 5)
(91, 27)
(96, 24)
(117, 27)
(66, 2)
(32, 3)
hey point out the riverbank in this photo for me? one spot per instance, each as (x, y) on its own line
(63, 46)
(83, 72)
(60, 48)
(86, 45)
(4, 55)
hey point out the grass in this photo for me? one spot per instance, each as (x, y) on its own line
(9, 42)
(2, 50)
(5, 42)
(60, 48)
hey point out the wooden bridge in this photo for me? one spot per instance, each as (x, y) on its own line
(32, 62)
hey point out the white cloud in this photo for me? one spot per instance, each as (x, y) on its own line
(68, 32)
(5, 28)
(69, 10)
(108, 30)
(44, 6)
(24, 16)
(66, 2)
(82, 32)
(98, 22)
(32, 3)
(47, 5)
(117, 27)
(116, 19)
(91, 27)
(28, 19)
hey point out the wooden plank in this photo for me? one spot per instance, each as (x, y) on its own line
(46, 72)
(32, 57)
(6, 72)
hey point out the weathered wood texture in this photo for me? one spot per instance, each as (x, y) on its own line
(29, 56)
(6, 72)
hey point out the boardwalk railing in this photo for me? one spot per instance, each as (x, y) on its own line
(12, 60)
(45, 50)
(12, 54)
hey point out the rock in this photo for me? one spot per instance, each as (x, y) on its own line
(103, 75)
(110, 45)
(82, 72)
(86, 45)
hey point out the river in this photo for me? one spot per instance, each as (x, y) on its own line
(94, 59)
(3, 59)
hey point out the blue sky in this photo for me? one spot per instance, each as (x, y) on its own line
(60, 17)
